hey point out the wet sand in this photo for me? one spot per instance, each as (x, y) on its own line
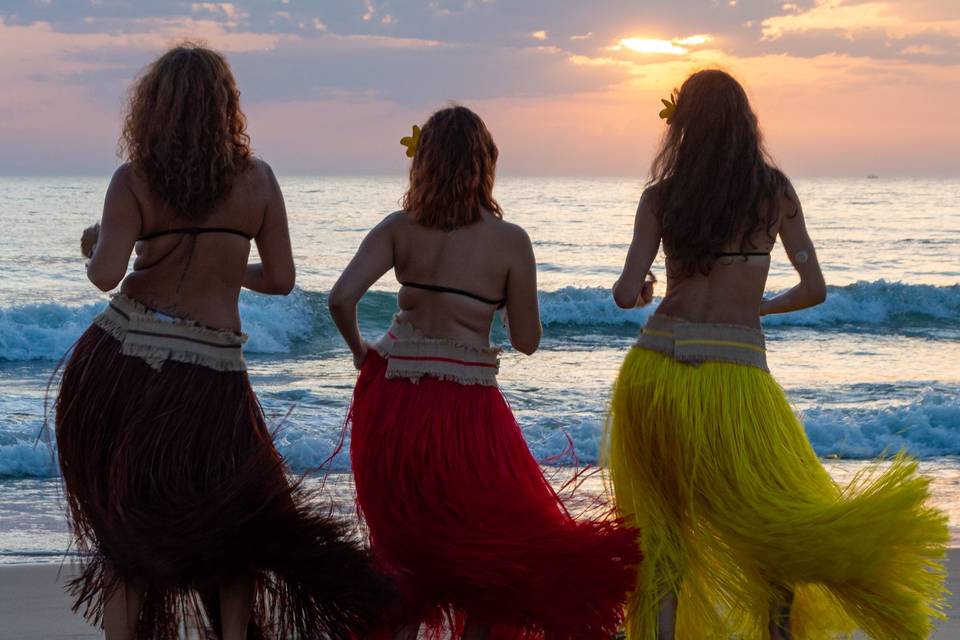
(33, 605)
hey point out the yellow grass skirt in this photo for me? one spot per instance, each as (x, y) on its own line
(736, 511)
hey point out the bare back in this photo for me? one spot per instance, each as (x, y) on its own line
(732, 292)
(471, 259)
(489, 262)
(197, 276)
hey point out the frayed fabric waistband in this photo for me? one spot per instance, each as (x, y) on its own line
(694, 342)
(410, 354)
(156, 338)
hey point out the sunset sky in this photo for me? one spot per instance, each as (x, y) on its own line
(568, 87)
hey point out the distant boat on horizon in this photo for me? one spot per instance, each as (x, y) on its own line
(873, 176)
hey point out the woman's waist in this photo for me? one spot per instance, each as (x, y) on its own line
(471, 329)
(697, 342)
(708, 304)
(213, 307)
(412, 354)
(156, 337)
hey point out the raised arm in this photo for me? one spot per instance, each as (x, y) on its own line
(523, 308)
(109, 246)
(633, 289)
(275, 273)
(812, 290)
(373, 259)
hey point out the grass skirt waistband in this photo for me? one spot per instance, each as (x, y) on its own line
(156, 338)
(735, 509)
(412, 355)
(695, 342)
(172, 482)
(460, 513)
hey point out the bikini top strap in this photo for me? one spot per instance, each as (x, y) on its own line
(731, 254)
(460, 292)
(195, 231)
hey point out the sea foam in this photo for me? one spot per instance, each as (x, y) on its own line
(282, 325)
(927, 426)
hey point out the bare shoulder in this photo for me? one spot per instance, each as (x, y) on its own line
(259, 174)
(789, 201)
(393, 225)
(396, 220)
(650, 199)
(510, 234)
(126, 176)
(128, 180)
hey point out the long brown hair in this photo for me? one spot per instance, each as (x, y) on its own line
(453, 171)
(714, 183)
(184, 130)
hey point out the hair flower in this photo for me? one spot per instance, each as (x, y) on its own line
(411, 141)
(669, 108)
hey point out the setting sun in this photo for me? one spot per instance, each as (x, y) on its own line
(676, 46)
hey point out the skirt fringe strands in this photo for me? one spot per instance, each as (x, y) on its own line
(460, 513)
(173, 483)
(712, 465)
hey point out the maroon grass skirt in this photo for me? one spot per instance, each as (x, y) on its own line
(173, 483)
(458, 510)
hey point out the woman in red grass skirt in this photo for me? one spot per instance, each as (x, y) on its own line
(458, 511)
(179, 503)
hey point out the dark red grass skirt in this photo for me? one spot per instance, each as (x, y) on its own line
(172, 481)
(461, 515)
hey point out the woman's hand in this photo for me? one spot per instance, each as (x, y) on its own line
(646, 292)
(88, 241)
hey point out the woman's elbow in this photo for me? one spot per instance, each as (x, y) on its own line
(624, 301)
(527, 344)
(623, 298)
(282, 281)
(103, 281)
(817, 293)
(284, 286)
(340, 300)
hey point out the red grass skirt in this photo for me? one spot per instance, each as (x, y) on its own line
(461, 515)
(173, 482)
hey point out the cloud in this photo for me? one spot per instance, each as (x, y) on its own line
(567, 88)
(229, 10)
(849, 18)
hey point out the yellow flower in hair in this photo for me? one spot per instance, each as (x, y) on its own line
(669, 108)
(411, 142)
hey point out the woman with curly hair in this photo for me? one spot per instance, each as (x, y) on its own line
(178, 500)
(457, 508)
(744, 534)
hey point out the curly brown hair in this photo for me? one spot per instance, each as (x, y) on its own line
(453, 171)
(714, 183)
(184, 130)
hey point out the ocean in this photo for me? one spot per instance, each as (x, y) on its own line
(874, 370)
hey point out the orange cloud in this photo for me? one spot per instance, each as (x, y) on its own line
(897, 20)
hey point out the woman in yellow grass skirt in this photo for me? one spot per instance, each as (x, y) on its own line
(744, 533)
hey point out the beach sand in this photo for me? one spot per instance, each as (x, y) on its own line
(33, 605)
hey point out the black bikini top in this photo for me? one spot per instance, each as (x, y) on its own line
(460, 292)
(195, 231)
(733, 254)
